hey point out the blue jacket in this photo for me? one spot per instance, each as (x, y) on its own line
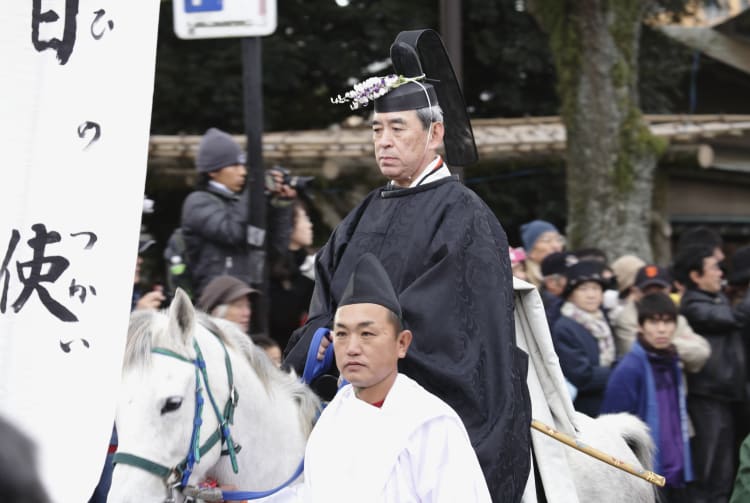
(578, 351)
(631, 388)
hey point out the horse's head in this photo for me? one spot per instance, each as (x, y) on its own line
(183, 368)
(162, 388)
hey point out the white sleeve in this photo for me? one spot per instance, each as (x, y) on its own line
(443, 465)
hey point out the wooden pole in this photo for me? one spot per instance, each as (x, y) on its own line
(646, 475)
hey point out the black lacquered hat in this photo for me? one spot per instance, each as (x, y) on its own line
(370, 284)
(424, 77)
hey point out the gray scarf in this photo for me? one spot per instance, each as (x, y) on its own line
(597, 326)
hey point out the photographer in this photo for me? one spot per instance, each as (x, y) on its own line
(218, 239)
(290, 258)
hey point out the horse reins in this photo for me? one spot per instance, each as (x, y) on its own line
(178, 476)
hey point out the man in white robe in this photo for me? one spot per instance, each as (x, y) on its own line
(383, 438)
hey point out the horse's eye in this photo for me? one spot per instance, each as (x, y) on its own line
(173, 403)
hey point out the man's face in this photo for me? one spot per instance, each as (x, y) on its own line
(658, 331)
(367, 349)
(710, 280)
(232, 177)
(239, 311)
(402, 146)
(548, 242)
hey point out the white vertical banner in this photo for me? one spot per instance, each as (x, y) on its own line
(77, 82)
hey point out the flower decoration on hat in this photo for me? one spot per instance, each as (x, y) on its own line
(373, 88)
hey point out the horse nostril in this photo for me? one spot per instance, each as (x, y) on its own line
(173, 403)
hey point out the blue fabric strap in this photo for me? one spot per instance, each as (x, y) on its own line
(314, 367)
(253, 495)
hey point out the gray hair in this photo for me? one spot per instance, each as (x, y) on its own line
(428, 115)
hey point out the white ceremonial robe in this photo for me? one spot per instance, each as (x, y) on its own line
(413, 449)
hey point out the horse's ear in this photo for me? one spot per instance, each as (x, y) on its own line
(182, 316)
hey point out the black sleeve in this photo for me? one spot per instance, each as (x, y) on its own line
(706, 317)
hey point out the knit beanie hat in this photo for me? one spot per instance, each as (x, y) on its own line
(625, 269)
(531, 231)
(218, 150)
(222, 290)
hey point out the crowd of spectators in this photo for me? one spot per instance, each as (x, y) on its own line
(666, 342)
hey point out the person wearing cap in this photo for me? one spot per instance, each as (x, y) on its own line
(540, 238)
(718, 390)
(648, 383)
(553, 269)
(383, 438)
(692, 348)
(229, 298)
(582, 336)
(446, 255)
(215, 215)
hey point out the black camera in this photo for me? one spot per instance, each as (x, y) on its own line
(294, 181)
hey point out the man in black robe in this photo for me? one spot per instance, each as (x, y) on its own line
(446, 255)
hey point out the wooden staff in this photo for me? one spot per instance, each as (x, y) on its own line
(646, 475)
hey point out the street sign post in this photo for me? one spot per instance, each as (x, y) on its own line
(223, 18)
(249, 20)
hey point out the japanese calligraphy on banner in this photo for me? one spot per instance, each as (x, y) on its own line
(77, 82)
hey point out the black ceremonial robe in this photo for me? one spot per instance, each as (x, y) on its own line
(447, 257)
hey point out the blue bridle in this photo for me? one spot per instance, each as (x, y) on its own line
(183, 470)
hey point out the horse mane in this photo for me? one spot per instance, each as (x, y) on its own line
(148, 329)
(273, 379)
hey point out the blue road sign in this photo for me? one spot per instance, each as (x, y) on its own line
(203, 5)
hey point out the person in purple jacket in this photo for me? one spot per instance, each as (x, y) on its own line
(648, 383)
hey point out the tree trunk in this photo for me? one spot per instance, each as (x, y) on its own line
(611, 155)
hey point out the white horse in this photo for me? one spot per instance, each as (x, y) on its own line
(161, 391)
(274, 413)
(567, 475)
